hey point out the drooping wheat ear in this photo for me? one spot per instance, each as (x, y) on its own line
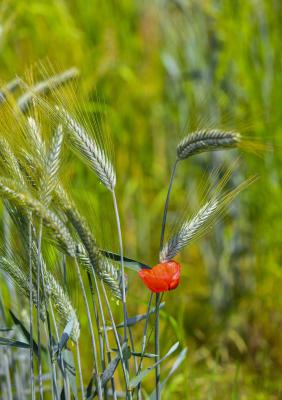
(91, 257)
(91, 151)
(105, 270)
(44, 87)
(18, 276)
(53, 159)
(62, 304)
(10, 191)
(197, 226)
(207, 140)
(10, 87)
(88, 253)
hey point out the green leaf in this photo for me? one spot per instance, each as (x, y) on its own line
(69, 365)
(142, 374)
(6, 329)
(25, 332)
(134, 320)
(109, 371)
(128, 262)
(177, 363)
(66, 334)
(13, 343)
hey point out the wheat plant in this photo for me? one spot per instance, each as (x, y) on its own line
(46, 238)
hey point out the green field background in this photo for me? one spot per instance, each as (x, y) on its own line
(164, 68)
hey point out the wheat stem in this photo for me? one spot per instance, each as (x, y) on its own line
(122, 266)
(94, 350)
(167, 202)
(7, 376)
(30, 309)
(38, 275)
(124, 369)
(79, 371)
(108, 350)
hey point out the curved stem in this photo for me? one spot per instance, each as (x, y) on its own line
(166, 203)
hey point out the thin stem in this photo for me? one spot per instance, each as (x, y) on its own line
(157, 348)
(144, 340)
(125, 372)
(32, 388)
(122, 266)
(101, 341)
(166, 204)
(97, 377)
(108, 350)
(51, 363)
(79, 370)
(38, 277)
(8, 378)
(122, 277)
(65, 382)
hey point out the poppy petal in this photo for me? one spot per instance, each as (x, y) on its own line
(162, 277)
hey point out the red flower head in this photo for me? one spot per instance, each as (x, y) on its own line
(162, 277)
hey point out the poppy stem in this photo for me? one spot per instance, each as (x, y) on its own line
(144, 342)
(166, 203)
(157, 347)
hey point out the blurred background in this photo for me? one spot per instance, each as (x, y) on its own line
(162, 69)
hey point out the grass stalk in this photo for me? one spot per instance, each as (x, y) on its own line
(48, 329)
(144, 342)
(100, 335)
(31, 352)
(94, 350)
(124, 368)
(122, 266)
(65, 378)
(166, 203)
(51, 363)
(38, 276)
(79, 370)
(157, 348)
(123, 289)
(7, 376)
(105, 332)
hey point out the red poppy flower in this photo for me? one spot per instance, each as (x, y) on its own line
(162, 277)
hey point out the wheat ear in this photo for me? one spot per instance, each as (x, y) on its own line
(203, 221)
(9, 191)
(53, 159)
(88, 147)
(44, 87)
(62, 304)
(21, 279)
(207, 140)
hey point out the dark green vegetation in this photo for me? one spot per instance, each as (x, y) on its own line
(158, 65)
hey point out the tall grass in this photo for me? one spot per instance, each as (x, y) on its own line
(47, 229)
